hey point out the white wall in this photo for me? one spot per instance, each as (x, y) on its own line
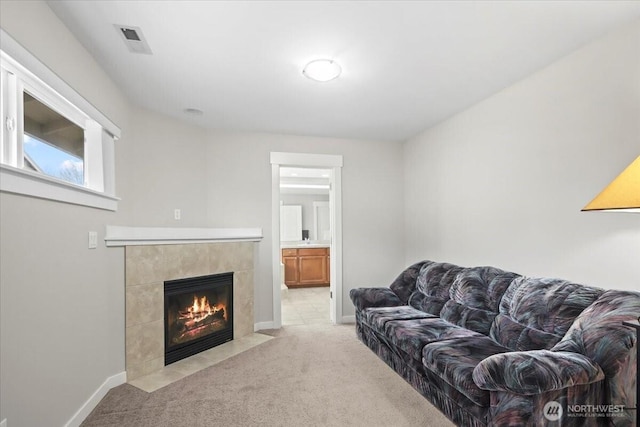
(500, 184)
(164, 168)
(45, 265)
(61, 304)
(503, 183)
(240, 195)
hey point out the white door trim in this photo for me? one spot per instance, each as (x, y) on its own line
(325, 161)
(316, 207)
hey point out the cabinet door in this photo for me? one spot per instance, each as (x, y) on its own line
(290, 269)
(312, 267)
(328, 266)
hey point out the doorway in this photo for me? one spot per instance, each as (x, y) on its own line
(305, 243)
(333, 166)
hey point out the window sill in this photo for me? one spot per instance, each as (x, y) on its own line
(18, 181)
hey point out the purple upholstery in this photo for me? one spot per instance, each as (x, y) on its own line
(377, 317)
(411, 336)
(433, 286)
(491, 348)
(535, 313)
(454, 361)
(475, 296)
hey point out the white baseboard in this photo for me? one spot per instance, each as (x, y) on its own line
(3, 423)
(348, 319)
(262, 325)
(95, 398)
(269, 325)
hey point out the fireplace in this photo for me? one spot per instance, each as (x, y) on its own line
(198, 315)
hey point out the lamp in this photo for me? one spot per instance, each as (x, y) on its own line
(322, 70)
(622, 194)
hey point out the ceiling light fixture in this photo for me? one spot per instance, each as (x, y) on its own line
(307, 186)
(322, 70)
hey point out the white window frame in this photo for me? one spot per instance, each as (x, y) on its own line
(21, 71)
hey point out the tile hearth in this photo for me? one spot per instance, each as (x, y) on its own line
(147, 267)
(185, 367)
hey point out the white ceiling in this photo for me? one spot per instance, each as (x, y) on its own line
(406, 65)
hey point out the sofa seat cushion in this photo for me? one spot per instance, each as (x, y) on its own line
(377, 317)
(454, 360)
(520, 337)
(411, 336)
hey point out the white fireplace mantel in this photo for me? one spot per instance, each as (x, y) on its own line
(134, 236)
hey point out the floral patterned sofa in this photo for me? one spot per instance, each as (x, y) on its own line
(491, 347)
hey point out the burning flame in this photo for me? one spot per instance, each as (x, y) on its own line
(201, 308)
(199, 317)
(200, 305)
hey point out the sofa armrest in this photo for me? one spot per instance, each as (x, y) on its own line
(374, 297)
(535, 372)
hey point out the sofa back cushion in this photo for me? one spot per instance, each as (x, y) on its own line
(475, 297)
(432, 286)
(405, 283)
(535, 313)
(598, 333)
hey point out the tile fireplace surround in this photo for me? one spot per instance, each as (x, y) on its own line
(155, 255)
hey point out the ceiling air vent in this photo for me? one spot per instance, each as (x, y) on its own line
(134, 39)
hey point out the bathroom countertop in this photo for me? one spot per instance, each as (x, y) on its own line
(302, 245)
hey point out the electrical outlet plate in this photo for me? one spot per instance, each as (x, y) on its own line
(177, 214)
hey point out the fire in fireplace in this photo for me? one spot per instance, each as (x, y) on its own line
(198, 314)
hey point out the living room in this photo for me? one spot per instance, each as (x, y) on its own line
(499, 183)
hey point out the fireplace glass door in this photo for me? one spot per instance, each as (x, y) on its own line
(198, 314)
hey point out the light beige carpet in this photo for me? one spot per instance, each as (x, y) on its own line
(309, 375)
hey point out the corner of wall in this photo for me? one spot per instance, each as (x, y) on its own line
(93, 401)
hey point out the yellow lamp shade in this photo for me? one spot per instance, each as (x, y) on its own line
(622, 194)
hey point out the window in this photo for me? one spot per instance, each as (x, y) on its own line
(55, 145)
(51, 143)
